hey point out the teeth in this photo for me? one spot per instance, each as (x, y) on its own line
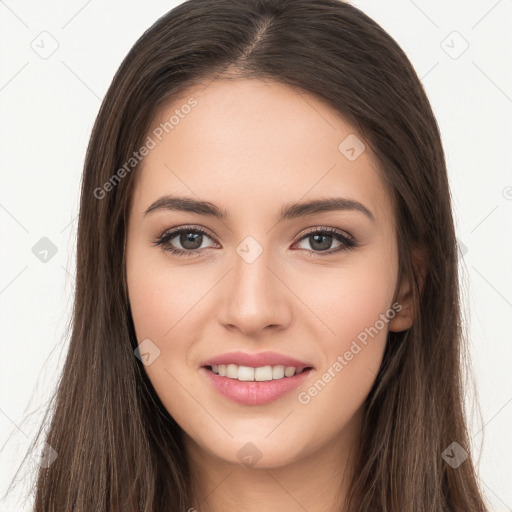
(278, 372)
(260, 374)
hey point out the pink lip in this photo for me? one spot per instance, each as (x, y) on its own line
(256, 360)
(254, 393)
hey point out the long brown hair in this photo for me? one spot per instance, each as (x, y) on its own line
(118, 448)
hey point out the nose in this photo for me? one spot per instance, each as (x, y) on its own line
(256, 298)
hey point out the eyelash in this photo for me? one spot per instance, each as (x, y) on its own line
(349, 243)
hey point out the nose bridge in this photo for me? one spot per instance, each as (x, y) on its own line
(251, 269)
(255, 298)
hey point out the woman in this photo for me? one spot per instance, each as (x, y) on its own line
(267, 311)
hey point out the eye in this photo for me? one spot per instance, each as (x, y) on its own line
(190, 239)
(321, 240)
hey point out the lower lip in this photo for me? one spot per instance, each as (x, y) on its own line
(254, 392)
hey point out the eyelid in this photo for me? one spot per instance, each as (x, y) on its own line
(190, 227)
(327, 229)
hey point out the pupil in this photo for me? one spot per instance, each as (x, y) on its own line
(322, 245)
(190, 240)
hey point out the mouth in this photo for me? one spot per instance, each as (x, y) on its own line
(255, 386)
(256, 374)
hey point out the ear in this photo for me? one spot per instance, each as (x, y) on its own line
(404, 317)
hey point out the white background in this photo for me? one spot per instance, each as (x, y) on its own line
(47, 109)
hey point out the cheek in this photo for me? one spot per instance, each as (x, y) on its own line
(167, 304)
(162, 304)
(352, 358)
(350, 301)
(354, 305)
(162, 299)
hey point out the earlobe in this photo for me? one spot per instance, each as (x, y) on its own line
(404, 318)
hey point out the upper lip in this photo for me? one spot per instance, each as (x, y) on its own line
(255, 360)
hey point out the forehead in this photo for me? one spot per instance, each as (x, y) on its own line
(239, 142)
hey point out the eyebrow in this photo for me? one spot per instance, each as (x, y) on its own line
(290, 211)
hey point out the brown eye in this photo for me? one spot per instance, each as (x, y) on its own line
(183, 241)
(321, 240)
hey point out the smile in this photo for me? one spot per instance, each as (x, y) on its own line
(255, 386)
(259, 374)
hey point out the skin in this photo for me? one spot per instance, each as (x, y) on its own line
(251, 147)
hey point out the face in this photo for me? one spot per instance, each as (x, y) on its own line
(317, 285)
